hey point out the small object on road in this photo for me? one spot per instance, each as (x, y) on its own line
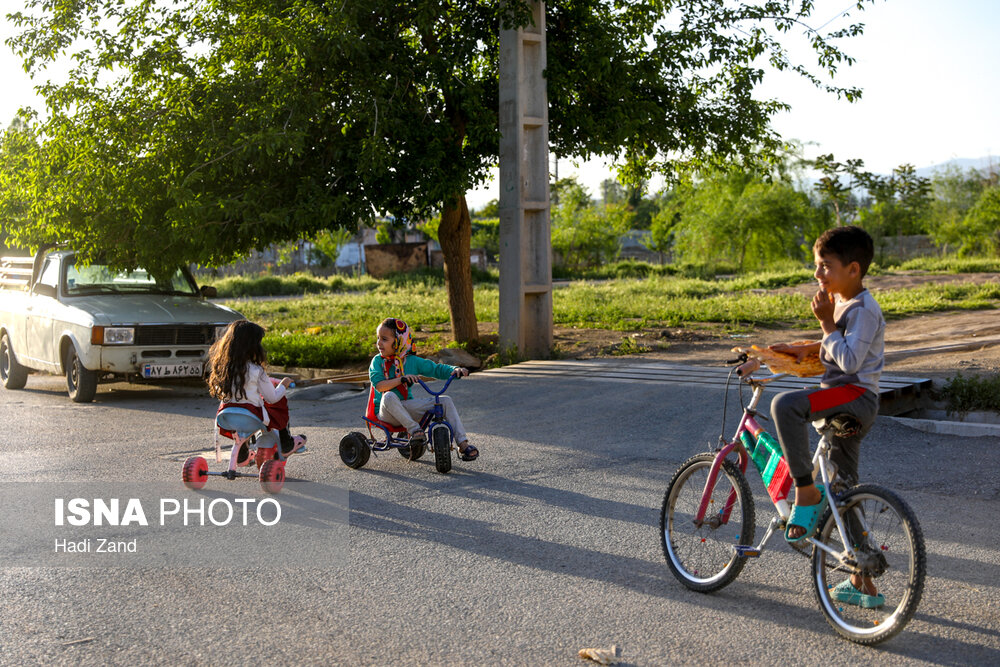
(604, 656)
(74, 642)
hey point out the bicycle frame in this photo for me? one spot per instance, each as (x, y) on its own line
(749, 424)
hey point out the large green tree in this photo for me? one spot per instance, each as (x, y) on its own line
(735, 215)
(196, 130)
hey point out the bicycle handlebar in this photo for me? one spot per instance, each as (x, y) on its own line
(748, 366)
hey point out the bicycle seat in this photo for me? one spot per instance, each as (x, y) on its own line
(843, 425)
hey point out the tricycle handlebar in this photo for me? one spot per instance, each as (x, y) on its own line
(436, 393)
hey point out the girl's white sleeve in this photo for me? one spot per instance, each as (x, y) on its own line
(268, 391)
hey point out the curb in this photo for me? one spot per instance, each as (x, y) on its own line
(966, 429)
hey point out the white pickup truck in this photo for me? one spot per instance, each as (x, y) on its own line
(92, 323)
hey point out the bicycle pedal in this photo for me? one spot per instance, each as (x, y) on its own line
(744, 551)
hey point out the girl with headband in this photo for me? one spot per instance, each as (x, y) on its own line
(392, 368)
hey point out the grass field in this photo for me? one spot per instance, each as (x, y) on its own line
(334, 325)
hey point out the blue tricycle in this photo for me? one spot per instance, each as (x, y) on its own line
(355, 448)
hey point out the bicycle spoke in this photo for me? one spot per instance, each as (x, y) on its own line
(702, 556)
(889, 548)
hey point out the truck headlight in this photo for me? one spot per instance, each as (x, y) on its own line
(112, 335)
(219, 331)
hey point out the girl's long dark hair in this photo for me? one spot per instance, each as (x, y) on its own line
(239, 345)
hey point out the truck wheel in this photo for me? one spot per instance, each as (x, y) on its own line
(13, 374)
(81, 383)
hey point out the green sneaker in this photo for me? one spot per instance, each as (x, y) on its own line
(846, 592)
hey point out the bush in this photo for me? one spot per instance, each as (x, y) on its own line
(328, 350)
(966, 394)
(301, 283)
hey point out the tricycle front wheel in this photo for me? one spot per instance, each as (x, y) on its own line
(441, 441)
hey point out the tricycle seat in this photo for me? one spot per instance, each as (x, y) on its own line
(372, 418)
(245, 423)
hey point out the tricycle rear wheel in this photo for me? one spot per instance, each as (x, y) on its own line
(272, 476)
(195, 472)
(354, 450)
(419, 451)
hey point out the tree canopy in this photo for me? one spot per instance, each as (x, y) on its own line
(197, 130)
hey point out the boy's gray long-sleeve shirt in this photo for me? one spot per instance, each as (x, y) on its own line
(855, 352)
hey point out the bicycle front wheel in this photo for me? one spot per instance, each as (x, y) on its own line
(889, 545)
(703, 556)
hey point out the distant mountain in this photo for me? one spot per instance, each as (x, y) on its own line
(962, 163)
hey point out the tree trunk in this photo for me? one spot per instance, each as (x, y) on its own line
(454, 235)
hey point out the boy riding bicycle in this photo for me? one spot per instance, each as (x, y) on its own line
(852, 352)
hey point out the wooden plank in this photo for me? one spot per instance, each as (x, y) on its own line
(614, 370)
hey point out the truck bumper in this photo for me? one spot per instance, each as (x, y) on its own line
(130, 360)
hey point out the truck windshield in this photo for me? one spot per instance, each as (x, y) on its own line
(100, 279)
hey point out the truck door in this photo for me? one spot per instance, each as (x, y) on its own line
(41, 306)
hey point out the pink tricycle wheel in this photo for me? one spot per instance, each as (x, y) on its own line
(272, 476)
(195, 472)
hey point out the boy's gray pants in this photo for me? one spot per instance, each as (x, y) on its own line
(793, 413)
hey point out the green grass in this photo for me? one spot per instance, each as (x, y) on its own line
(235, 287)
(966, 394)
(935, 298)
(335, 326)
(952, 265)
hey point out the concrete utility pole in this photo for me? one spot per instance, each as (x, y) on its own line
(525, 237)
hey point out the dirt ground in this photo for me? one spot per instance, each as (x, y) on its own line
(936, 345)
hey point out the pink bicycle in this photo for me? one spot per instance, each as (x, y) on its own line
(707, 526)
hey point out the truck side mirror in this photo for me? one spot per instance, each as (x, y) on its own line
(208, 291)
(44, 290)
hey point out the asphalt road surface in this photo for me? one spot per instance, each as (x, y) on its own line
(545, 545)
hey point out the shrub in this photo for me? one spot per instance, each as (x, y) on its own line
(965, 394)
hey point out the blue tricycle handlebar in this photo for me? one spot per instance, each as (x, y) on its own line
(443, 389)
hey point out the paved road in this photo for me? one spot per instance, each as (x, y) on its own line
(546, 545)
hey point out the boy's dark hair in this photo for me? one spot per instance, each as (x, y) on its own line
(848, 244)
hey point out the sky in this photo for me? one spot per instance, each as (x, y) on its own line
(928, 69)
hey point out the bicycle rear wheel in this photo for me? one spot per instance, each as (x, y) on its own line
(702, 557)
(890, 549)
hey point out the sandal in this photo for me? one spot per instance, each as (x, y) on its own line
(470, 453)
(807, 517)
(846, 592)
(243, 457)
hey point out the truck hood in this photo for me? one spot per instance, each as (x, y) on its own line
(110, 309)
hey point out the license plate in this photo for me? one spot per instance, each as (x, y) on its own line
(172, 370)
